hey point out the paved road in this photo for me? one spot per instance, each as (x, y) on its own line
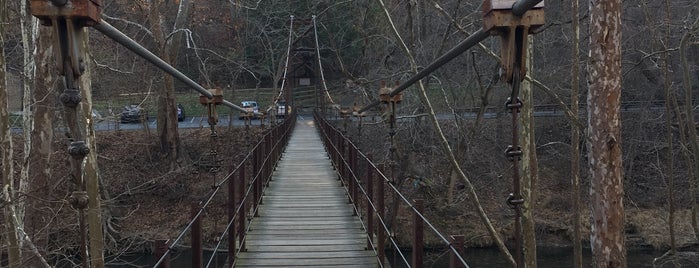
(189, 122)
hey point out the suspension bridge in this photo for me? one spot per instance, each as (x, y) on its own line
(305, 195)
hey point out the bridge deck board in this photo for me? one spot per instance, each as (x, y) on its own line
(305, 219)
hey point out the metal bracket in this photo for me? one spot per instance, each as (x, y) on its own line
(513, 30)
(211, 107)
(67, 18)
(385, 94)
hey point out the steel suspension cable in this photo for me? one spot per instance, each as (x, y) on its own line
(213, 194)
(116, 35)
(320, 64)
(286, 65)
(518, 9)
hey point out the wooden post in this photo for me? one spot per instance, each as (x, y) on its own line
(380, 206)
(242, 214)
(160, 249)
(369, 210)
(197, 253)
(458, 242)
(231, 218)
(417, 234)
(355, 181)
(255, 177)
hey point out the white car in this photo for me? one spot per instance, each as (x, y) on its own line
(250, 107)
(281, 109)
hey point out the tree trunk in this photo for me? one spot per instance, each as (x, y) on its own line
(38, 106)
(604, 140)
(94, 209)
(168, 135)
(529, 166)
(28, 27)
(691, 125)
(575, 138)
(8, 189)
(669, 134)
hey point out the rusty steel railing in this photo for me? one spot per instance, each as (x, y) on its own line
(244, 198)
(365, 184)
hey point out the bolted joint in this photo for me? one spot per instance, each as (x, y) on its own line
(78, 150)
(71, 97)
(514, 105)
(511, 152)
(514, 202)
(79, 200)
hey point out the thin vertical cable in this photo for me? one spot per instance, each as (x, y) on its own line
(286, 65)
(320, 65)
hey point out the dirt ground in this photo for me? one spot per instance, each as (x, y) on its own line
(145, 199)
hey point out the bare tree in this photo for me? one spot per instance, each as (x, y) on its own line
(445, 144)
(529, 166)
(575, 137)
(94, 209)
(170, 144)
(9, 194)
(689, 110)
(604, 135)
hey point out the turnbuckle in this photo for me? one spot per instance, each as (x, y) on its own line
(514, 202)
(512, 152)
(515, 105)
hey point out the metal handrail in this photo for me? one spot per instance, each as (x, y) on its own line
(325, 128)
(287, 126)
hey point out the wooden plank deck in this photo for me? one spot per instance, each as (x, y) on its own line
(305, 219)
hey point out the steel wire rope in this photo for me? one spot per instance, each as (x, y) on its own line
(320, 64)
(518, 9)
(213, 194)
(392, 186)
(240, 206)
(391, 235)
(355, 208)
(286, 65)
(383, 223)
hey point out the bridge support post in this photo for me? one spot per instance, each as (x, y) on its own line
(255, 179)
(341, 158)
(197, 254)
(231, 218)
(417, 234)
(458, 242)
(351, 174)
(380, 206)
(160, 250)
(243, 208)
(370, 201)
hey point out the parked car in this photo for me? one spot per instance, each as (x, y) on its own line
(180, 112)
(282, 108)
(250, 107)
(96, 116)
(132, 114)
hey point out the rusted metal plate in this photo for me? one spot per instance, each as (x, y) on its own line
(503, 18)
(305, 219)
(88, 11)
(490, 5)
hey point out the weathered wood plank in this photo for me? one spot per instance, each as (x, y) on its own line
(305, 220)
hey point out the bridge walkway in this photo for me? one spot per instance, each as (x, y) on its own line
(305, 219)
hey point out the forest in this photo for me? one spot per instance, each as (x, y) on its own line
(61, 178)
